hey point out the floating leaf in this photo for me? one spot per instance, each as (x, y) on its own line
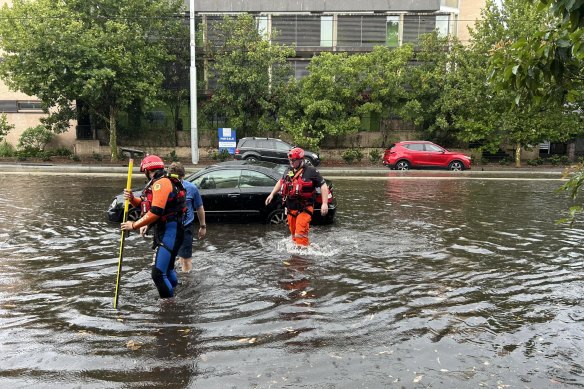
(133, 345)
(418, 378)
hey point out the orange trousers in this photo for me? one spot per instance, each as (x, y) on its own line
(299, 224)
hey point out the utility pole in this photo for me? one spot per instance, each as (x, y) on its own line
(193, 87)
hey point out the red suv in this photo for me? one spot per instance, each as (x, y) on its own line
(422, 154)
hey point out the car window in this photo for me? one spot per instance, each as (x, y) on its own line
(250, 179)
(218, 179)
(248, 143)
(268, 144)
(434, 148)
(415, 146)
(281, 146)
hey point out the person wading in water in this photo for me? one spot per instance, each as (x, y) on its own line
(298, 186)
(163, 205)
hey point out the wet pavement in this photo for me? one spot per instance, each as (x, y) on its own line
(425, 280)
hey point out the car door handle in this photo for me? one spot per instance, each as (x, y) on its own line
(233, 195)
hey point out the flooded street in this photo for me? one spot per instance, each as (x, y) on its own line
(422, 282)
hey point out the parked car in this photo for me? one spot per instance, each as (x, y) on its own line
(237, 190)
(423, 154)
(269, 149)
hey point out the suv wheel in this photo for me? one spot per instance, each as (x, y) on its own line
(402, 165)
(456, 166)
(308, 161)
(251, 158)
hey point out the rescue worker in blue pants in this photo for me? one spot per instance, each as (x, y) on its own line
(163, 205)
(194, 204)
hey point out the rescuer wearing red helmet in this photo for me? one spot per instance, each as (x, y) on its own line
(298, 186)
(163, 205)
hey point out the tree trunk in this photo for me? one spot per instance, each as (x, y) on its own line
(518, 155)
(113, 113)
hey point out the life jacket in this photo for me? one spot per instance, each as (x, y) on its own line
(175, 204)
(296, 190)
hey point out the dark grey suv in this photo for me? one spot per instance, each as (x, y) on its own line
(269, 149)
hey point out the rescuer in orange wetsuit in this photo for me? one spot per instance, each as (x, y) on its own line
(163, 205)
(298, 186)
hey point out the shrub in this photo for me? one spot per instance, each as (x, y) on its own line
(35, 139)
(351, 155)
(7, 150)
(348, 156)
(222, 155)
(172, 156)
(375, 155)
(554, 160)
(74, 157)
(97, 156)
(62, 152)
(505, 160)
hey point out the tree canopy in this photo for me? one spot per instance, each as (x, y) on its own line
(251, 74)
(107, 53)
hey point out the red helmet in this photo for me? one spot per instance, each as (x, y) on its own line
(151, 162)
(296, 153)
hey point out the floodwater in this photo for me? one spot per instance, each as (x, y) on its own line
(421, 283)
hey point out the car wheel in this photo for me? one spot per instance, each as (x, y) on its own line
(251, 158)
(402, 165)
(456, 166)
(276, 217)
(134, 214)
(308, 161)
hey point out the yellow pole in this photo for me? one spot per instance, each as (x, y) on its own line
(122, 239)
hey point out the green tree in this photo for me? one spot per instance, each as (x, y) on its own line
(252, 76)
(432, 83)
(326, 101)
(4, 126)
(546, 67)
(175, 89)
(490, 114)
(107, 53)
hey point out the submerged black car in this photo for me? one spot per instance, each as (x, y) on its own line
(237, 191)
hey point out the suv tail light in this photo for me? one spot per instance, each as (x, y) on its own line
(237, 151)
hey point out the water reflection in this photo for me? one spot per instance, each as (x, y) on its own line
(420, 283)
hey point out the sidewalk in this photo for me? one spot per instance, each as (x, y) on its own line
(102, 169)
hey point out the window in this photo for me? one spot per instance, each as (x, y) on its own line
(266, 144)
(433, 148)
(250, 179)
(442, 25)
(416, 25)
(326, 31)
(8, 106)
(30, 105)
(301, 30)
(248, 143)
(415, 146)
(20, 106)
(281, 146)
(262, 22)
(392, 34)
(218, 179)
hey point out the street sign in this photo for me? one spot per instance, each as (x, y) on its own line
(227, 140)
